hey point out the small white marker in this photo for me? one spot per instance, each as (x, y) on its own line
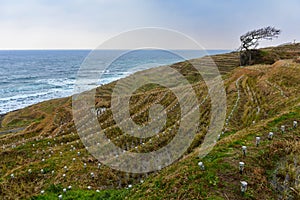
(201, 165)
(270, 136)
(282, 128)
(244, 149)
(295, 124)
(257, 141)
(243, 186)
(241, 167)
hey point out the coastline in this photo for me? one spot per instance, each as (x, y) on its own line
(211, 52)
(51, 130)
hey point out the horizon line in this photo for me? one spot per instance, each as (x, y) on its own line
(83, 49)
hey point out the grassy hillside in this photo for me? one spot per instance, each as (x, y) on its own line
(41, 151)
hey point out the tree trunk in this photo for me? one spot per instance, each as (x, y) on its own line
(250, 57)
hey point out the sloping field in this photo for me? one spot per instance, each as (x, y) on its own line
(41, 152)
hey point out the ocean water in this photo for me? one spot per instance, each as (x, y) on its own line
(31, 76)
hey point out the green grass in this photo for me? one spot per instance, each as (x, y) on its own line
(55, 190)
(291, 115)
(181, 180)
(23, 122)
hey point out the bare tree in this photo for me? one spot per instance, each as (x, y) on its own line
(250, 40)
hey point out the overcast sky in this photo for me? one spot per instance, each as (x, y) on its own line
(85, 24)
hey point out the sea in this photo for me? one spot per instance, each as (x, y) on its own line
(28, 77)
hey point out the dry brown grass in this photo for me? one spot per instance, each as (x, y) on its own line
(259, 87)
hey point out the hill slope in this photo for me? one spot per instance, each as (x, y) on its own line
(44, 152)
